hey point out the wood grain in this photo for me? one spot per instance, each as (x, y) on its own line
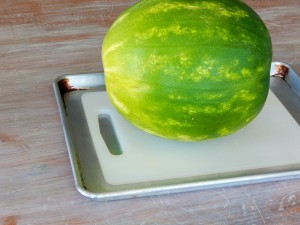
(42, 39)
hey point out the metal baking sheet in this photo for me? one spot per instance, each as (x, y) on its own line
(88, 171)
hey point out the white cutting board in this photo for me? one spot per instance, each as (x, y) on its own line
(271, 139)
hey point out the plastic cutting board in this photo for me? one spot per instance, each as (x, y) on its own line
(272, 139)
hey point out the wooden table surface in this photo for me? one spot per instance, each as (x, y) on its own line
(42, 39)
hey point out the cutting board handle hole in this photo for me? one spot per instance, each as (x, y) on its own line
(108, 134)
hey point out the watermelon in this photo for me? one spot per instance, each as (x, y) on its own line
(188, 70)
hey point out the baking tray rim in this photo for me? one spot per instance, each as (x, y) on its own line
(156, 190)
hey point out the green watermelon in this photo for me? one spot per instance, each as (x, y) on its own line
(188, 70)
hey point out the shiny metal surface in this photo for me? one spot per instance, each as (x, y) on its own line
(87, 170)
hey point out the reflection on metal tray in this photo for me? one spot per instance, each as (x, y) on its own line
(107, 164)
